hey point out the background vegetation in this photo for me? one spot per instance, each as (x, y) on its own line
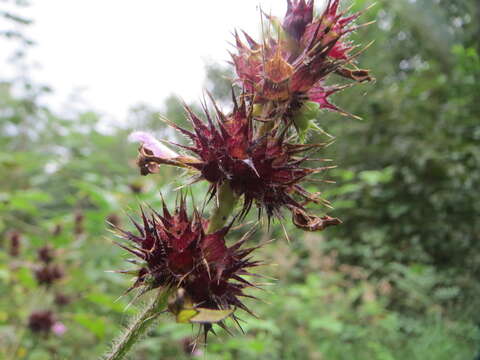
(398, 280)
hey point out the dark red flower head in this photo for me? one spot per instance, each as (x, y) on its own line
(264, 168)
(46, 254)
(175, 251)
(41, 322)
(48, 274)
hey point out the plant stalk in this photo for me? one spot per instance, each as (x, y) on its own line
(139, 326)
(226, 203)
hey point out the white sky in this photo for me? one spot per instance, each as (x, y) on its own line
(122, 52)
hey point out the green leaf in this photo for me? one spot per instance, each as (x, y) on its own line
(327, 323)
(26, 278)
(109, 302)
(185, 315)
(95, 324)
(207, 316)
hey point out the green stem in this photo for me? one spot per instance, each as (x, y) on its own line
(266, 125)
(226, 203)
(139, 326)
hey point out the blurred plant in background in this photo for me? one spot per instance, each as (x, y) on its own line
(397, 280)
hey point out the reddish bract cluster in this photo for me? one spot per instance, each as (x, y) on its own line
(263, 168)
(176, 252)
(295, 65)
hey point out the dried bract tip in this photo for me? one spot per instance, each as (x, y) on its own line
(309, 222)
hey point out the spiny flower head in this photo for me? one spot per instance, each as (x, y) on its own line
(293, 66)
(262, 166)
(174, 251)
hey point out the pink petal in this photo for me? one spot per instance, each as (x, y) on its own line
(152, 144)
(59, 329)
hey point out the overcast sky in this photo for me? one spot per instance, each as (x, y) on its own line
(122, 52)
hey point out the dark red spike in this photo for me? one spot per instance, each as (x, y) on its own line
(136, 224)
(140, 253)
(253, 44)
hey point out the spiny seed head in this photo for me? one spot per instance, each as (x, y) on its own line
(173, 250)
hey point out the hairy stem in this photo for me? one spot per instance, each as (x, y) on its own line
(139, 326)
(226, 203)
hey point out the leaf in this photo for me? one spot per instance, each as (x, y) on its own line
(95, 324)
(328, 324)
(185, 315)
(26, 278)
(375, 177)
(208, 316)
(109, 302)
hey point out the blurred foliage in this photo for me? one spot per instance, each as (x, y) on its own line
(398, 280)
(410, 186)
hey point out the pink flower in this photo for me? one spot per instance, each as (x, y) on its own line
(59, 329)
(152, 144)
